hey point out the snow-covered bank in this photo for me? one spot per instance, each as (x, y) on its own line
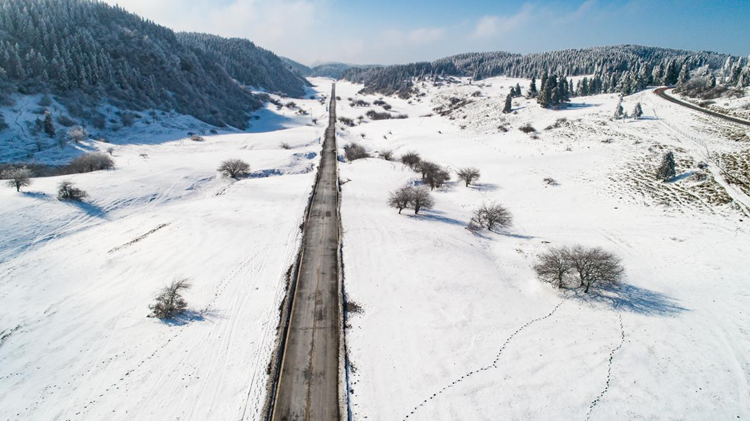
(76, 279)
(456, 326)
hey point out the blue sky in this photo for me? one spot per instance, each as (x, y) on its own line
(400, 31)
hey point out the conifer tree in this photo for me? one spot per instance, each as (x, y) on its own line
(508, 103)
(532, 88)
(49, 125)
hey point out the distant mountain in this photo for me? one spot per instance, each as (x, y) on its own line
(328, 69)
(89, 54)
(621, 68)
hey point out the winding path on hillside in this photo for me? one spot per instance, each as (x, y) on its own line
(661, 92)
(307, 387)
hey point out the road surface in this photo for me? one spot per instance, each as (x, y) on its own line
(308, 381)
(661, 92)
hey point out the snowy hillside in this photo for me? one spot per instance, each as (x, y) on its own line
(453, 325)
(76, 279)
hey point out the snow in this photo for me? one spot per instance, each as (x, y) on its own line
(76, 279)
(456, 325)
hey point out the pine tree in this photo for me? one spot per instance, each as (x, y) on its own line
(508, 103)
(637, 111)
(666, 170)
(532, 88)
(684, 76)
(518, 90)
(619, 110)
(49, 126)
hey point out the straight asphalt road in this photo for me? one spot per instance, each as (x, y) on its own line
(309, 377)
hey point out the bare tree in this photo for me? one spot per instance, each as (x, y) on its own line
(18, 177)
(554, 266)
(468, 175)
(78, 134)
(666, 170)
(66, 191)
(170, 302)
(492, 215)
(433, 174)
(234, 168)
(111, 151)
(411, 160)
(355, 151)
(401, 198)
(421, 199)
(595, 266)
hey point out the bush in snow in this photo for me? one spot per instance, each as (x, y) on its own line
(666, 170)
(17, 177)
(91, 162)
(346, 121)
(196, 138)
(386, 154)
(374, 115)
(285, 145)
(411, 160)
(78, 134)
(169, 303)
(234, 168)
(528, 128)
(66, 191)
(468, 175)
(492, 215)
(355, 151)
(579, 267)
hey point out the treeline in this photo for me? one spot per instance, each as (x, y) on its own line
(624, 68)
(88, 53)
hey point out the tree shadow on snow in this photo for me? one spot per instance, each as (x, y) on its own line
(484, 186)
(633, 299)
(89, 208)
(191, 316)
(434, 215)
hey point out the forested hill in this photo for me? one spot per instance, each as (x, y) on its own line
(88, 53)
(623, 67)
(247, 63)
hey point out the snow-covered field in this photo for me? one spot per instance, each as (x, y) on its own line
(456, 326)
(76, 279)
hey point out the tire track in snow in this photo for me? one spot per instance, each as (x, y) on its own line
(609, 370)
(491, 366)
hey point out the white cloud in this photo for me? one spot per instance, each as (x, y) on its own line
(490, 26)
(425, 35)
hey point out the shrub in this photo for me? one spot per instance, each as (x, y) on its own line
(354, 151)
(197, 138)
(170, 303)
(64, 121)
(234, 168)
(128, 119)
(91, 162)
(528, 128)
(346, 121)
(590, 267)
(492, 215)
(17, 177)
(66, 191)
(285, 145)
(374, 115)
(386, 154)
(468, 175)
(666, 170)
(411, 160)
